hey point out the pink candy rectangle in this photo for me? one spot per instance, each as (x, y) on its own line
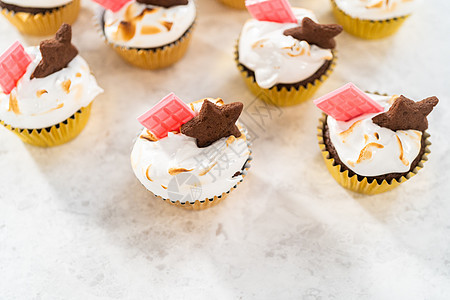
(113, 5)
(279, 11)
(13, 64)
(166, 116)
(347, 102)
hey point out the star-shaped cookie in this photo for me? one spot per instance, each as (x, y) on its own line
(406, 114)
(321, 35)
(56, 53)
(213, 123)
(164, 3)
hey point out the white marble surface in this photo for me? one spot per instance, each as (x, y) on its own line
(76, 224)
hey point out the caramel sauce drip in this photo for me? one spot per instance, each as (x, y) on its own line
(66, 86)
(149, 137)
(146, 173)
(206, 171)
(176, 171)
(402, 153)
(127, 28)
(167, 24)
(150, 30)
(13, 105)
(40, 93)
(366, 153)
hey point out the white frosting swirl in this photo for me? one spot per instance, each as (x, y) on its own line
(148, 26)
(377, 9)
(276, 58)
(43, 102)
(370, 150)
(210, 169)
(37, 3)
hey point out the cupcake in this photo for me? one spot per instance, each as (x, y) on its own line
(240, 4)
(191, 156)
(372, 143)
(150, 34)
(372, 19)
(285, 63)
(49, 102)
(40, 17)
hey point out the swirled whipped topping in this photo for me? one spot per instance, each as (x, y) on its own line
(377, 9)
(370, 150)
(176, 169)
(37, 3)
(43, 102)
(276, 58)
(138, 25)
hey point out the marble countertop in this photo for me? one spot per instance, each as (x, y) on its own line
(75, 223)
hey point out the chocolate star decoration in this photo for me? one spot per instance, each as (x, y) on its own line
(316, 34)
(56, 53)
(164, 3)
(407, 114)
(213, 123)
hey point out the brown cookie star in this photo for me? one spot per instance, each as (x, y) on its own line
(56, 53)
(321, 35)
(164, 3)
(213, 123)
(406, 114)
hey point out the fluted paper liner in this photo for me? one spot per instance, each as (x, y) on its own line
(239, 4)
(364, 187)
(44, 23)
(284, 96)
(367, 29)
(57, 134)
(152, 58)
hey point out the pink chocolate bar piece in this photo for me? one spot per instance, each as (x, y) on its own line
(113, 5)
(13, 64)
(279, 11)
(168, 115)
(347, 102)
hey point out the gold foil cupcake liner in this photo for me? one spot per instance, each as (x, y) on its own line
(364, 187)
(367, 29)
(57, 134)
(239, 4)
(284, 96)
(44, 23)
(152, 58)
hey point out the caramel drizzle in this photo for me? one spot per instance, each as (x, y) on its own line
(13, 105)
(61, 105)
(127, 28)
(66, 86)
(366, 153)
(176, 171)
(40, 93)
(146, 173)
(150, 30)
(231, 140)
(149, 137)
(345, 133)
(259, 44)
(206, 171)
(401, 156)
(167, 24)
